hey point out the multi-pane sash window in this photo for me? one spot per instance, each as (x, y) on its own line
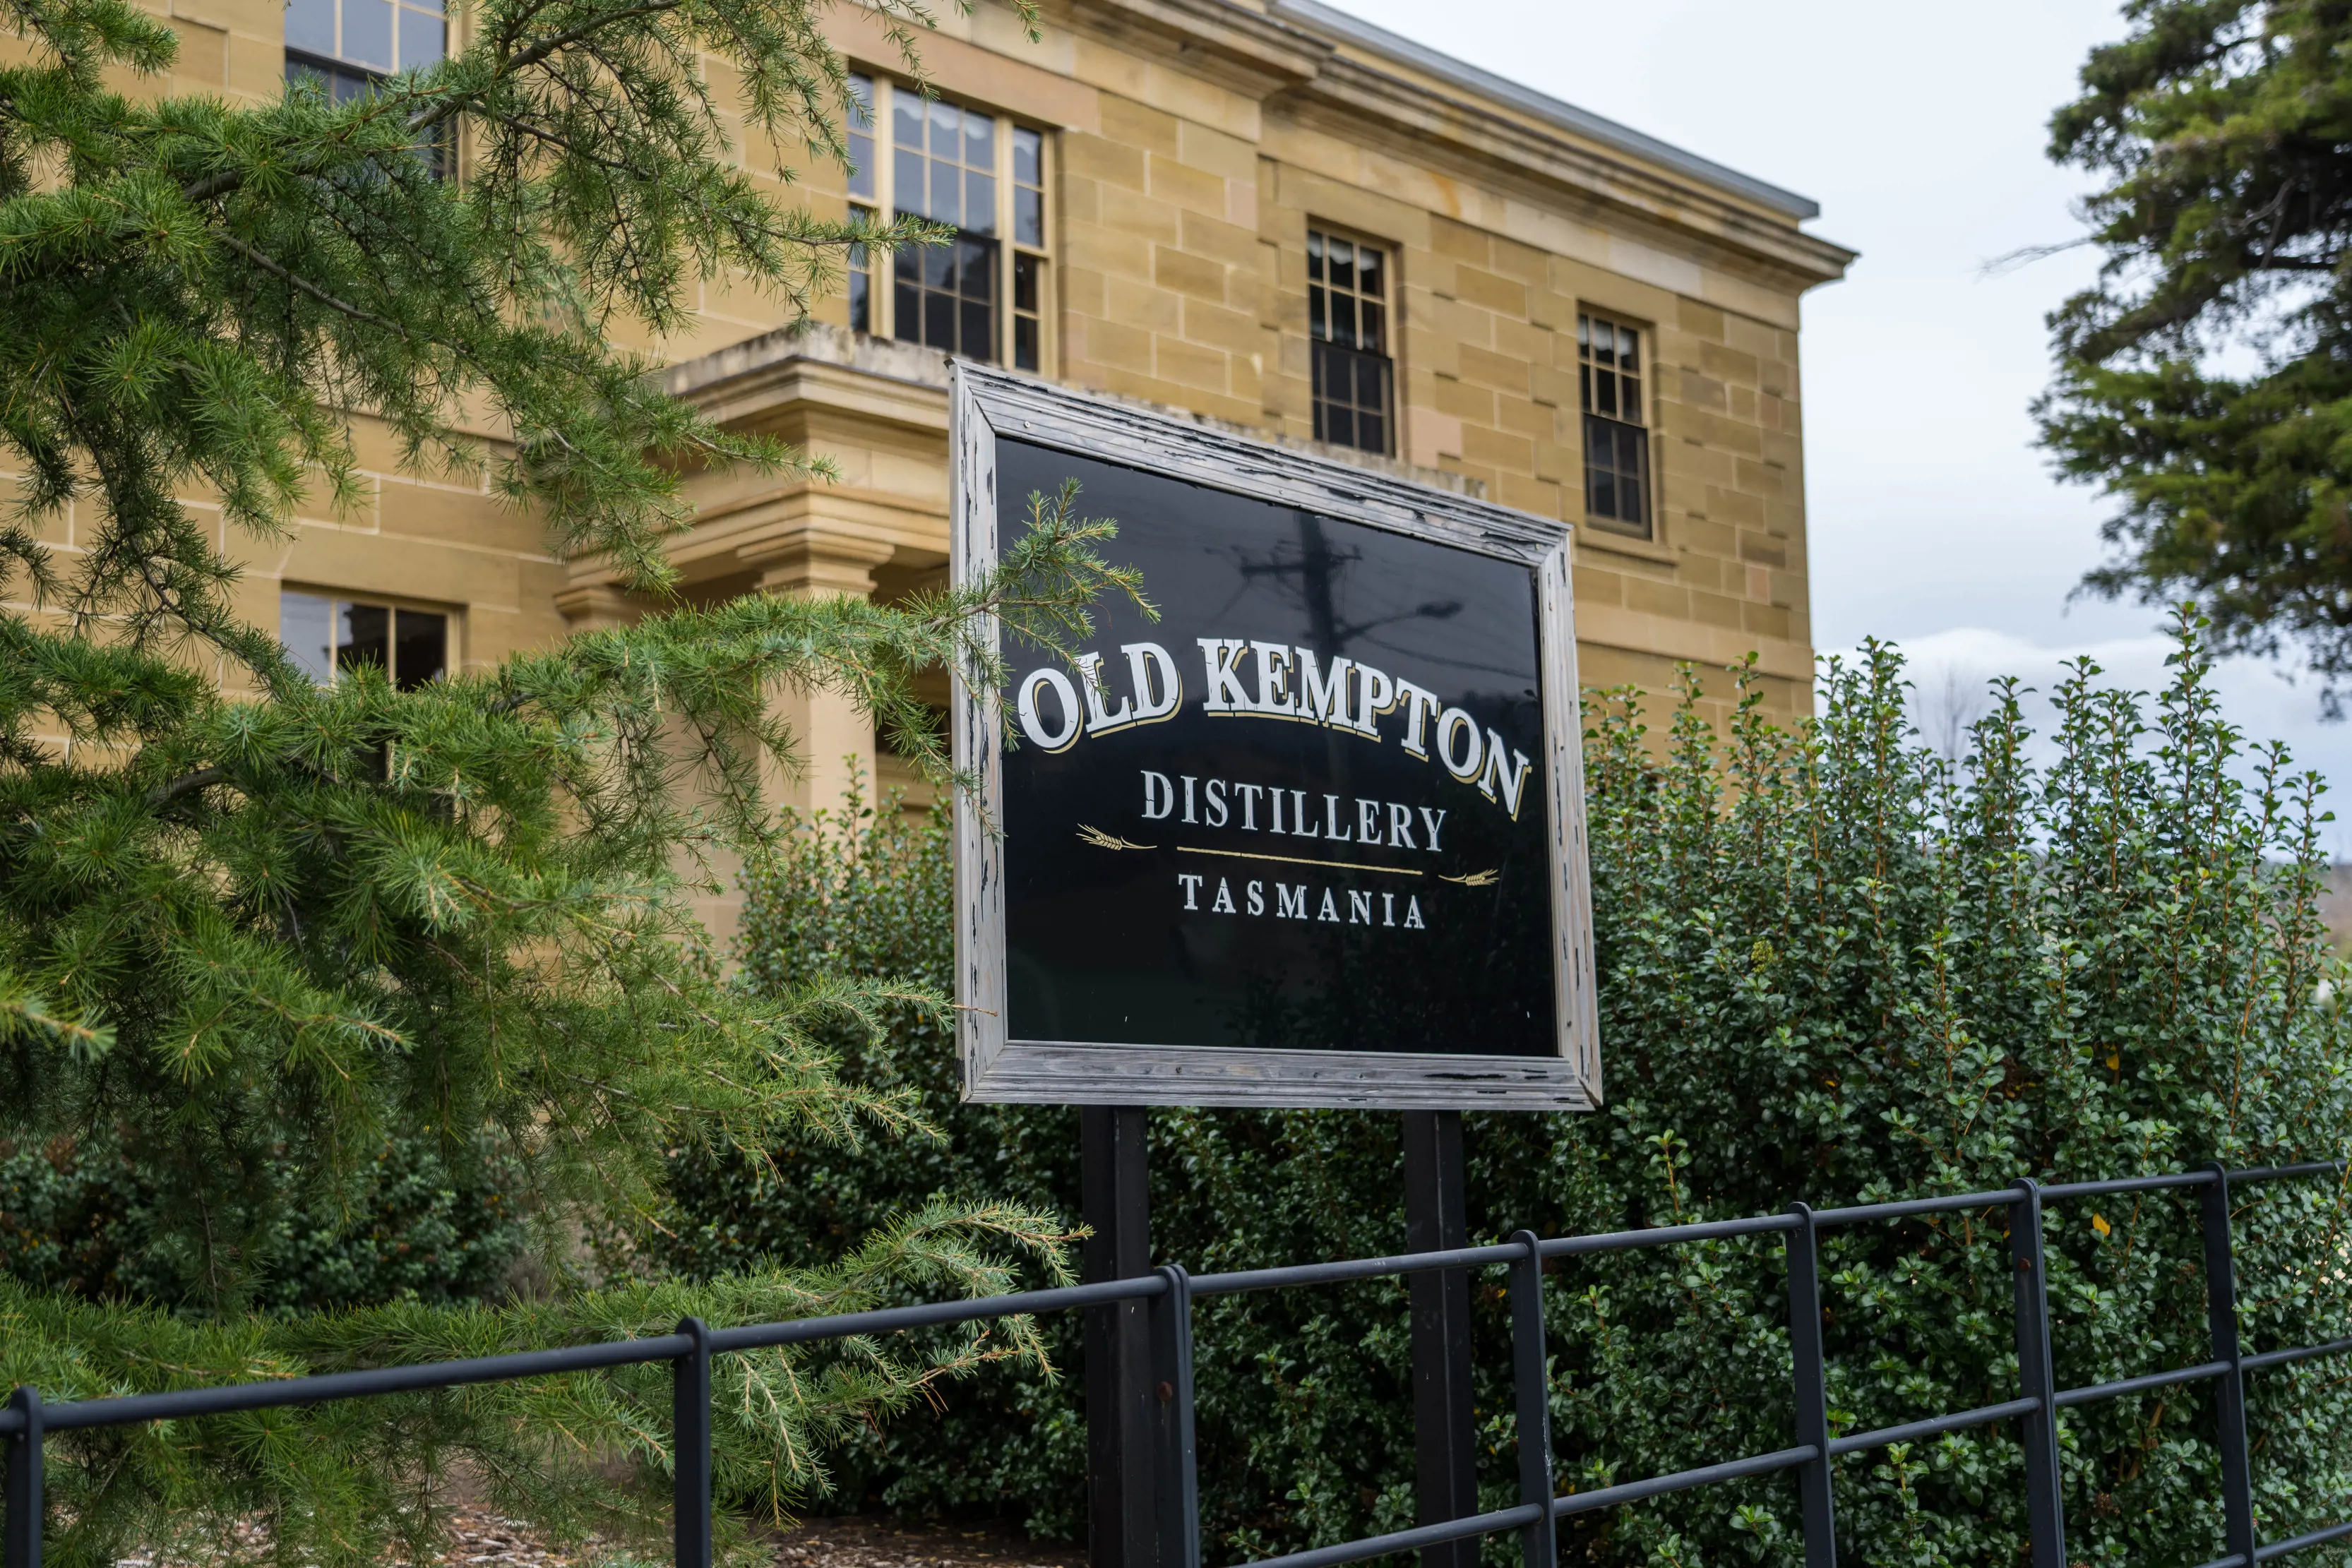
(1616, 438)
(326, 635)
(980, 293)
(1348, 293)
(347, 45)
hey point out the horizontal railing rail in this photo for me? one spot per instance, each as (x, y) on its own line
(1169, 1293)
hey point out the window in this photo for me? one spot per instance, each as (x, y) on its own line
(1348, 291)
(343, 47)
(1616, 438)
(861, 184)
(348, 45)
(326, 635)
(981, 294)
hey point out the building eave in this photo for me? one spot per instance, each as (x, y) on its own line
(1317, 17)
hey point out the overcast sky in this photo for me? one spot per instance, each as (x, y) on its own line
(1920, 130)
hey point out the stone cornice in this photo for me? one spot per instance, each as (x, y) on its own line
(1421, 123)
(1236, 48)
(1287, 65)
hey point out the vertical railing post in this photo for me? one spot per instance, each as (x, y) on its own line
(1114, 1200)
(2045, 1510)
(1808, 1368)
(23, 1483)
(1445, 1433)
(2229, 1404)
(1179, 1478)
(689, 1415)
(1531, 1385)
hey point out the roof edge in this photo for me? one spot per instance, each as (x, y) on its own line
(1317, 15)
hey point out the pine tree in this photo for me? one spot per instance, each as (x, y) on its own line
(244, 942)
(2205, 382)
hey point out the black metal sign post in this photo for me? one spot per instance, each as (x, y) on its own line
(1309, 833)
(1445, 1469)
(1122, 1478)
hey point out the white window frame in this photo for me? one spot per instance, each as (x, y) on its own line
(881, 294)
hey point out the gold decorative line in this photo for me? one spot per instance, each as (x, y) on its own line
(1476, 878)
(1298, 860)
(1103, 840)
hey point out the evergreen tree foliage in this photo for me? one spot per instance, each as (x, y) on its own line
(2205, 382)
(248, 945)
(1834, 968)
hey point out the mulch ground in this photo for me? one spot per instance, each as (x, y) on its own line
(482, 1539)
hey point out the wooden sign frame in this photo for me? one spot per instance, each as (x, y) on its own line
(987, 404)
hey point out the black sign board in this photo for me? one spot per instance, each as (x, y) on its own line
(1313, 837)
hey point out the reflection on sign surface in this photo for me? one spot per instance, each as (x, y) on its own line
(1304, 810)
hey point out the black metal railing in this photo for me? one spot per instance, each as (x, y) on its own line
(1169, 1293)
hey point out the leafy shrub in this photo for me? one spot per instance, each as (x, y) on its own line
(1833, 969)
(82, 1221)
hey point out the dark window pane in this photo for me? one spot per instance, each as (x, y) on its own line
(1024, 284)
(938, 321)
(1339, 261)
(937, 264)
(1315, 326)
(1025, 343)
(1371, 378)
(423, 40)
(979, 141)
(1629, 355)
(1630, 394)
(1371, 433)
(1028, 157)
(979, 269)
(1375, 323)
(306, 625)
(861, 178)
(907, 125)
(311, 25)
(1029, 215)
(1320, 422)
(1343, 422)
(363, 635)
(1343, 320)
(1368, 271)
(367, 33)
(1604, 493)
(1313, 255)
(424, 651)
(1629, 500)
(947, 130)
(861, 101)
(907, 312)
(1604, 339)
(861, 303)
(980, 203)
(1320, 361)
(1584, 386)
(1604, 391)
(947, 194)
(979, 330)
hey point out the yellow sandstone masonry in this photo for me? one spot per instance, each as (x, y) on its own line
(1189, 147)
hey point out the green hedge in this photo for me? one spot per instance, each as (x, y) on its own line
(1832, 969)
(83, 1220)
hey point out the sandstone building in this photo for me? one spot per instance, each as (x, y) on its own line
(1261, 212)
